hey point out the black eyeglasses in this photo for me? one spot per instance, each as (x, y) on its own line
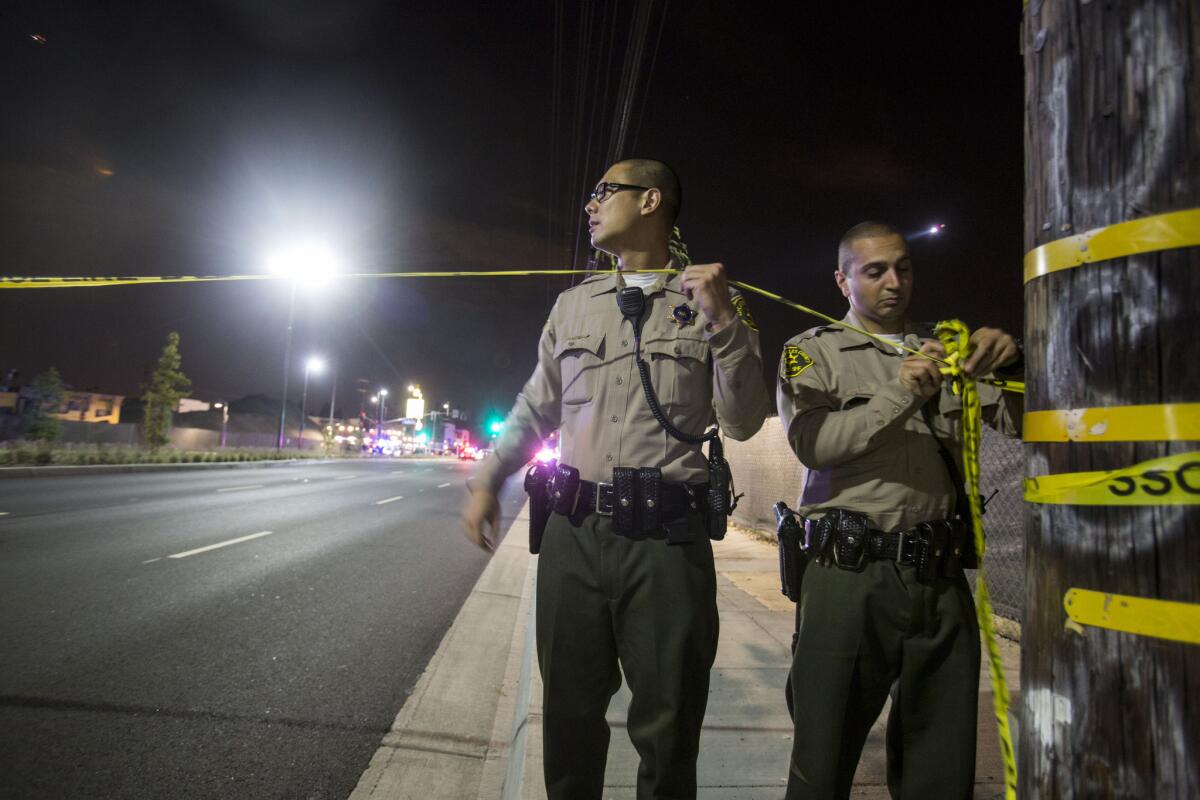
(604, 189)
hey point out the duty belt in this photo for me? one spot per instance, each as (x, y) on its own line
(935, 548)
(640, 503)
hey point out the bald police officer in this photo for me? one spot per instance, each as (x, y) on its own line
(643, 597)
(884, 599)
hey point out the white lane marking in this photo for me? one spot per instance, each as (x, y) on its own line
(389, 500)
(3, 513)
(151, 560)
(345, 477)
(240, 488)
(187, 553)
(443, 485)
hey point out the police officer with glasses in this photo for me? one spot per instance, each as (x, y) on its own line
(633, 369)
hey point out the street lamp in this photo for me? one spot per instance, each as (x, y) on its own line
(224, 419)
(313, 364)
(308, 263)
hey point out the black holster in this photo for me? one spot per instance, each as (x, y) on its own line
(720, 501)
(537, 486)
(840, 536)
(792, 560)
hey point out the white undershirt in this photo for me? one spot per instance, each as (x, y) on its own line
(896, 339)
(642, 280)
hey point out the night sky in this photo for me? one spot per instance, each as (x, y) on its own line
(193, 138)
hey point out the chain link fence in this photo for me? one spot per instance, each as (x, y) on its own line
(766, 470)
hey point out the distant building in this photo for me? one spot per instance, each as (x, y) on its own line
(75, 406)
(90, 407)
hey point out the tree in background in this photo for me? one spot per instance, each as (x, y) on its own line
(49, 388)
(161, 396)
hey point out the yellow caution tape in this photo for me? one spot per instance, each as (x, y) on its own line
(1166, 422)
(1145, 235)
(956, 338)
(19, 282)
(1144, 616)
(13, 282)
(1008, 386)
(1169, 481)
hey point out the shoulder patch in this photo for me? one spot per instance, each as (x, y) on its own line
(739, 305)
(795, 361)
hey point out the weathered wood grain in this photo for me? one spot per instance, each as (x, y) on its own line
(1112, 129)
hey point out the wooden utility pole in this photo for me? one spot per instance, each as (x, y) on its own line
(1112, 125)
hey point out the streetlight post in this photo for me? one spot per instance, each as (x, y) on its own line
(314, 264)
(333, 393)
(314, 364)
(287, 366)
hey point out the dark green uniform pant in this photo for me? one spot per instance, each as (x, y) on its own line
(860, 633)
(652, 607)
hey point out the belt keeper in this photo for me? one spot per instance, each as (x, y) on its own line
(900, 545)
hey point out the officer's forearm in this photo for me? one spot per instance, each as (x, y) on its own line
(740, 397)
(524, 430)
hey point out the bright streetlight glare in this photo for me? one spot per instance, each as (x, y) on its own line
(383, 392)
(314, 364)
(308, 263)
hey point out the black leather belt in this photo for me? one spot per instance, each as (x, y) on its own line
(676, 499)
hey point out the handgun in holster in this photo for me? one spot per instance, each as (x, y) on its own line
(789, 535)
(537, 486)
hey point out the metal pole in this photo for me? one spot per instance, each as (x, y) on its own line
(333, 394)
(224, 422)
(303, 409)
(287, 365)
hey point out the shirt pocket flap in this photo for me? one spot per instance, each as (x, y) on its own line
(680, 347)
(579, 337)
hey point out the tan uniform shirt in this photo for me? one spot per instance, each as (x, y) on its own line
(586, 383)
(863, 436)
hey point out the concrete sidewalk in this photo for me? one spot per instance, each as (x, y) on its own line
(472, 727)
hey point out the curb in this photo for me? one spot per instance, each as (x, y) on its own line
(462, 728)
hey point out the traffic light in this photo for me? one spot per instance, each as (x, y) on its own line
(496, 426)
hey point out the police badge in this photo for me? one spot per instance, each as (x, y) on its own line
(682, 315)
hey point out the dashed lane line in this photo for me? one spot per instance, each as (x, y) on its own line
(345, 477)
(389, 500)
(240, 488)
(443, 485)
(238, 540)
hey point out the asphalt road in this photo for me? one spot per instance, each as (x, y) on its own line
(139, 661)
